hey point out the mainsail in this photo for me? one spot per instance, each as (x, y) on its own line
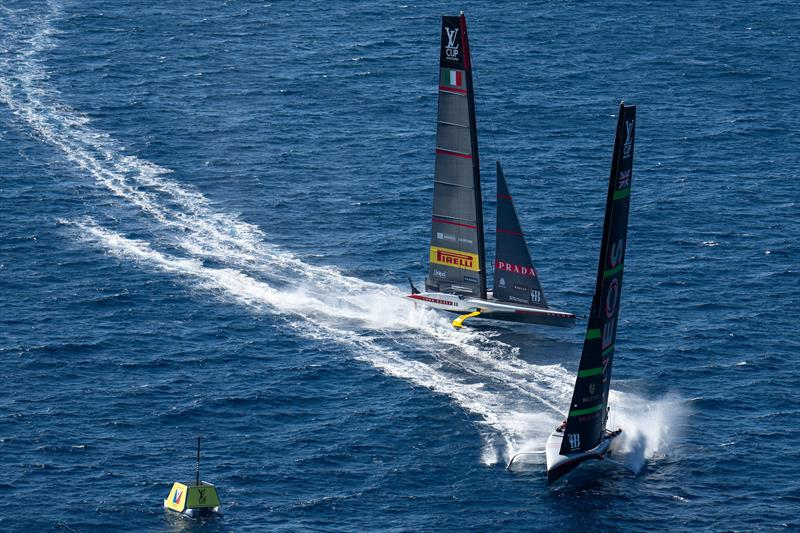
(588, 410)
(457, 262)
(515, 278)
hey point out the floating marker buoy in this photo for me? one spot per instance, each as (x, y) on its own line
(196, 500)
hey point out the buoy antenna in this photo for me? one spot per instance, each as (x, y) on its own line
(195, 501)
(197, 470)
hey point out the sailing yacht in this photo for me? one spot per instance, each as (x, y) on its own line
(456, 279)
(584, 434)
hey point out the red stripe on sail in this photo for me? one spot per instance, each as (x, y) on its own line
(456, 154)
(454, 223)
(452, 89)
(509, 232)
(504, 197)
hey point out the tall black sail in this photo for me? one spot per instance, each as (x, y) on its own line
(515, 278)
(588, 410)
(457, 262)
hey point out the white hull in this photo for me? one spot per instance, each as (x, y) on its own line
(559, 465)
(493, 309)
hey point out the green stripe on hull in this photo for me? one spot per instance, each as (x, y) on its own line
(588, 410)
(590, 372)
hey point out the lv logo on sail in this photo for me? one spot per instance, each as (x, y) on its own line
(451, 50)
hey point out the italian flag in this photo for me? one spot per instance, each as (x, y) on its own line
(453, 78)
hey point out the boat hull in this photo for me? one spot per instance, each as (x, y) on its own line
(494, 310)
(560, 465)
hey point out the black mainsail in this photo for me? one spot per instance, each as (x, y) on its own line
(457, 262)
(515, 278)
(588, 410)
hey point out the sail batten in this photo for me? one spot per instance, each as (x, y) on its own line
(588, 412)
(457, 262)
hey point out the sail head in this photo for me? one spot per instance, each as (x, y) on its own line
(588, 409)
(515, 278)
(457, 262)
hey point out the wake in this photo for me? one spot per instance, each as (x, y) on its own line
(514, 403)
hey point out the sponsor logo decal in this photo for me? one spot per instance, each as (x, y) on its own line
(574, 441)
(515, 269)
(591, 388)
(624, 179)
(626, 149)
(612, 297)
(439, 273)
(522, 288)
(536, 296)
(502, 282)
(178, 496)
(470, 279)
(615, 254)
(611, 294)
(452, 238)
(454, 258)
(434, 300)
(451, 50)
(515, 299)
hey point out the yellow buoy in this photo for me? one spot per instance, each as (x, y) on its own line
(196, 499)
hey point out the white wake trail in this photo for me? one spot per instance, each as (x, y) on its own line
(246, 290)
(515, 400)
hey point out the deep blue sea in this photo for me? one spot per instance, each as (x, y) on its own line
(209, 209)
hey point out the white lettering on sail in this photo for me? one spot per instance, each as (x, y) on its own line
(612, 297)
(536, 296)
(451, 50)
(626, 149)
(616, 252)
(608, 334)
(574, 441)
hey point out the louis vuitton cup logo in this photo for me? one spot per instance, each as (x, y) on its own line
(627, 147)
(451, 50)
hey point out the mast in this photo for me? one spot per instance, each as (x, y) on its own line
(457, 251)
(476, 164)
(197, 469)
(588, 410)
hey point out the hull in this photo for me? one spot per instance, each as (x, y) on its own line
(560, 465)
(494, 310)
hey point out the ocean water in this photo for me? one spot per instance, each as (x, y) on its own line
(208, 212)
